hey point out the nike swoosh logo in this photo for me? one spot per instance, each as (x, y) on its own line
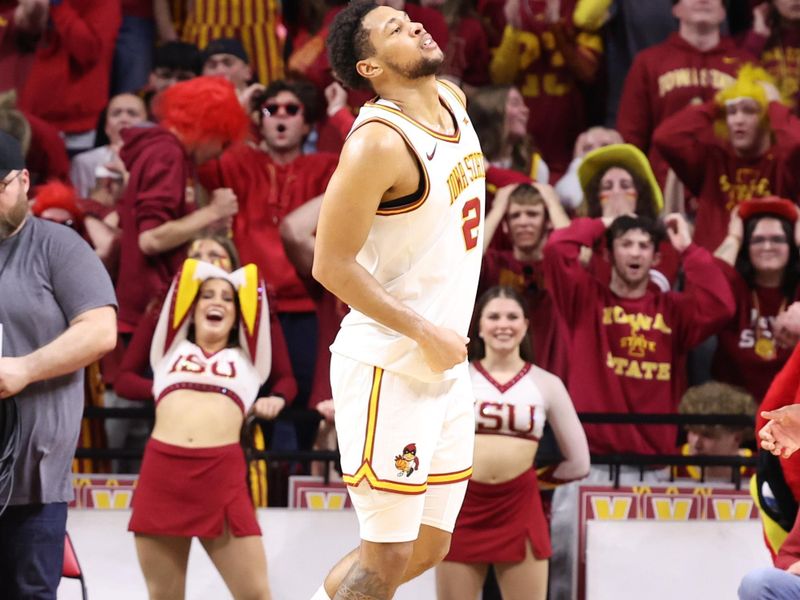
(429, 156)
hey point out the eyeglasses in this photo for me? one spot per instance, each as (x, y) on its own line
(775, 240)
(7, 182)
(290, 108)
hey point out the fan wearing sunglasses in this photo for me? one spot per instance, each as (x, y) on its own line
(270, 180)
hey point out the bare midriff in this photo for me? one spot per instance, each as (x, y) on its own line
(195, 419)
(501, 458)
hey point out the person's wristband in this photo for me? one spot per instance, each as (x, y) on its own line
(55, 2)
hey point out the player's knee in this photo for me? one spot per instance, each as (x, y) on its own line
(435, 553)
(386, 558)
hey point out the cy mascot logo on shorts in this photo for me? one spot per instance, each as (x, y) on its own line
(407, 462)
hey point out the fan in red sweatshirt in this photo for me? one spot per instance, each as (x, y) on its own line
(271, 181)
(628, 342)
(69, 80)
(666, 78)
(744, 144)
(199, 119)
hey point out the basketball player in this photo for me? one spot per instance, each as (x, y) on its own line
(399, 240)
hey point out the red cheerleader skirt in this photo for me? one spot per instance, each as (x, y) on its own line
(496, 520)
(193, 492)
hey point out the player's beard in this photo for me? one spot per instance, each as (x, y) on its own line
(11, 220)
(425, 67)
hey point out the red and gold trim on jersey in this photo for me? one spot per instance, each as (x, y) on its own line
(392, 207)
(365, 471)
(451, 87)
(454, 138)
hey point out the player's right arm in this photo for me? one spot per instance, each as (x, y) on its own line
(375, 164)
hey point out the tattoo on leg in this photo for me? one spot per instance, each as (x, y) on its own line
(360, 584)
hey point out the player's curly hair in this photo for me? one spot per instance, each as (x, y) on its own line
(203, 109)
(348, 42)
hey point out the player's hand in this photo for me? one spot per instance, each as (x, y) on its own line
(443, 348)
(269, 407)
(678, 231)
(325, 408)
(781, 435)
(13, 376)
(224, 202)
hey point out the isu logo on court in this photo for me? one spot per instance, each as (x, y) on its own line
(407, 462)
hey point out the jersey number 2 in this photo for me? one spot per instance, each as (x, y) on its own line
(471, 215)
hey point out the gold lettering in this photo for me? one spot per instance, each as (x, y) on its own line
(531, 50)
(649, 368)
(633, 370)
(663, 372)
(661, 325)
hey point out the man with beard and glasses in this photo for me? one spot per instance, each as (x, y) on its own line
(57, 315)
(399, 240)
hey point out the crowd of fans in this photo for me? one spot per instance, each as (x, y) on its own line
(642, 164)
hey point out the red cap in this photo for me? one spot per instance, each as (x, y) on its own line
(771, 205)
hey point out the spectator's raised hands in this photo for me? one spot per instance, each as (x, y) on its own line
(512, 13)
(31, 15)
(336, 96)
(760, 25)
(773, 95)
(786, 327)
(678, 231)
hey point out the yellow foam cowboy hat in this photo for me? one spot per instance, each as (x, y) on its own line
(626, 156)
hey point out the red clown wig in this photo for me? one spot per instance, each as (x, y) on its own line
(56, 194)
(203, 109)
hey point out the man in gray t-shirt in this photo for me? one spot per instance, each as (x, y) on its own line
(57, 313)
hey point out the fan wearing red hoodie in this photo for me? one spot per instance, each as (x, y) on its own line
(692, 64)
(272, 180)
(743, 144)
(199, 118)
(628, 341)
(69, 81)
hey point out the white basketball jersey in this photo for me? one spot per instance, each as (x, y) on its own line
(425, 252)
